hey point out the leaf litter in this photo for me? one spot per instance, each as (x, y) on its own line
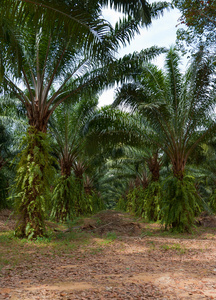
(109, 256)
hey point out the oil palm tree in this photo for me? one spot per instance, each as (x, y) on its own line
(66, 125)
(132, 162)
(180, 110)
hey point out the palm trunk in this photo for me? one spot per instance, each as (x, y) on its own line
(79, 169)
(179, 168)
(88, 186)
(34, 170)
(154, 167)
(63, 208)
(66, 167)
(36, 118)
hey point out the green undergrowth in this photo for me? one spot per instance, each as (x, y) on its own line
(164, 246)
(179, 249)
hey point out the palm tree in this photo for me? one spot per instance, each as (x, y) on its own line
(67, 123)
(132, 163)
(179, 109)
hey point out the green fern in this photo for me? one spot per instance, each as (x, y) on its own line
(212, 201)
(152, 201)
(181, 203)
(121, 204)
(135, 200)
(144, 202)
(63, 198)
(69, 199)
(33, 181)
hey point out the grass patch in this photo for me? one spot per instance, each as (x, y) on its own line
(153, 230)
(111, 236)
(176, 247)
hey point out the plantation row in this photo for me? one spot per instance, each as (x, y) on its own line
(152, 152)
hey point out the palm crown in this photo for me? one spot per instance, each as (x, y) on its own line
(178, 107)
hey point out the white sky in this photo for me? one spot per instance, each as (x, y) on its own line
(161, 33)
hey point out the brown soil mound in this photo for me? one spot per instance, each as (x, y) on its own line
(112, 221)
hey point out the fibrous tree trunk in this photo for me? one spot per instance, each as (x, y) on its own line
(32, 184)
(66, 167)
(154, 166)
(178, 166)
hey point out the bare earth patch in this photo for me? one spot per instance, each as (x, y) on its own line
(109, 256)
